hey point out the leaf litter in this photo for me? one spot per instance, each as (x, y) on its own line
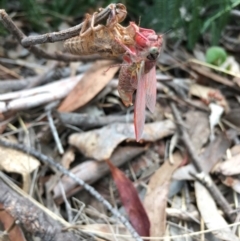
(157, 183)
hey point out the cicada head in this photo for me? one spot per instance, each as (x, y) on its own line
(153, 53)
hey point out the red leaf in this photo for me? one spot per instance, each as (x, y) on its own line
(131, 202)
(15, 233)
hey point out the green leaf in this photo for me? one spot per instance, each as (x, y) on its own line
(216, 55)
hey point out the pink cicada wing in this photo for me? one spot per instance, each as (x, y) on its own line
(151, 89)
(140, 102)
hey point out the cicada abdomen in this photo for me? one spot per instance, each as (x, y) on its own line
(102, 42)
(127, 83)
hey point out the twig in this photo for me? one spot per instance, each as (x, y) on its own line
(49, 161)
(42, 77)
(64, 34)
(54, 132)
(34, 218)
(28, 42)
(13, 85)
(212, 188)
(89, 121)
(9, 72)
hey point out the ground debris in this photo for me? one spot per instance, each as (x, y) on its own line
(64, 129)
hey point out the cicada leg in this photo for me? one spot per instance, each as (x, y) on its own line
(131, 54)
(84, 32)
(118, 14)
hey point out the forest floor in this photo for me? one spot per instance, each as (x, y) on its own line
(65, 135)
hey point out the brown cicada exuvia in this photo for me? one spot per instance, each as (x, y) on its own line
(103, 39)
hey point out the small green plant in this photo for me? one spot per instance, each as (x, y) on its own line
(216, 55)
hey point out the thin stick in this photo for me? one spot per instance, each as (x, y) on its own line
(64, 34)
(54, 132)
(209, 184)
(28, 42)
(49, 161)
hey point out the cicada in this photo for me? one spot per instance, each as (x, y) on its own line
(139, 47)
(140, 76)
(139, 73)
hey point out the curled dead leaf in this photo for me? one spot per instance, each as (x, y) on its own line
(99, 144)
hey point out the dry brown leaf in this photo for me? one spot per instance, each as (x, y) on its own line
(232, 182)
(156, 199)
(235, 150)
(211, 215)
(229, 167)
(213, 152)
(18, 162)
(95, 79)
(198, 128)
(68, 157)
(208, 94)
(182, 215)
(99, 144)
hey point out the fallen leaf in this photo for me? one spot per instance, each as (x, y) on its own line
(95, 79)
(182, 214)
(208, 94)
(211, 215)
(229, 167)
(99, 144)
(198, 128)
(18, 162)
(232, 182)
(213, 152)
(68, 157)
(235, 150)
(155, 201)
(131, 202)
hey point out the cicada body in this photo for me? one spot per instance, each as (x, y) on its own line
(139, 73)
(140, 49)
(141, 77)
(127, 83)
(102, 42)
